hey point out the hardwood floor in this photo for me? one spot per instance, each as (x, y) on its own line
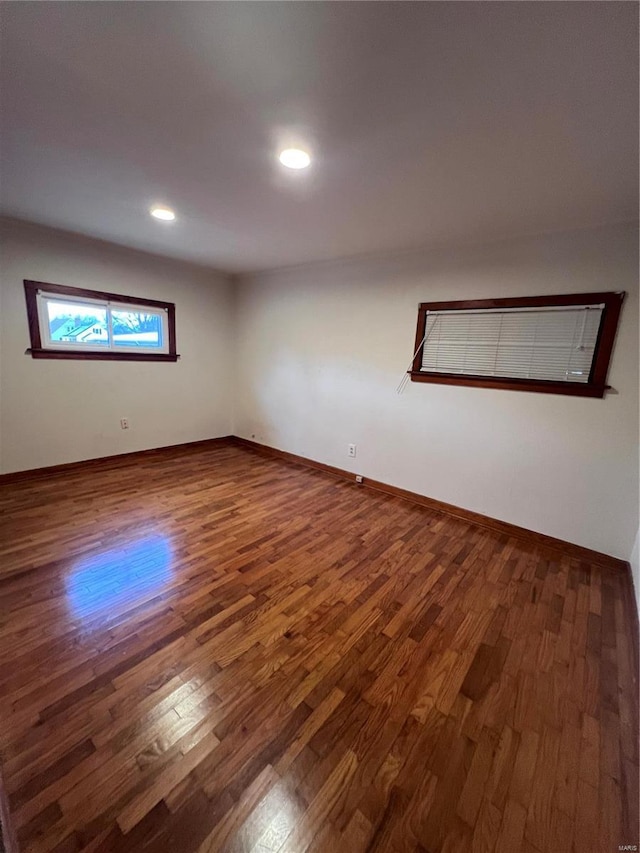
(208, 650)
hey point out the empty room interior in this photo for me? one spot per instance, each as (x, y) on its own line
(319, 427)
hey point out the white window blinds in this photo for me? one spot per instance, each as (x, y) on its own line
(547, 343)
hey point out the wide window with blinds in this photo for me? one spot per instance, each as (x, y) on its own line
(560, 344)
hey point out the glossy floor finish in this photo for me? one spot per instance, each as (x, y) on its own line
(208, 650)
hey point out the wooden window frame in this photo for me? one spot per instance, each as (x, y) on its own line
(31, 289)
(595, 387)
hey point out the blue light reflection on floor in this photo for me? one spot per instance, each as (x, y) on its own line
(126, 575)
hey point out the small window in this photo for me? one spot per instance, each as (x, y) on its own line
(558, 344)
(70, 322)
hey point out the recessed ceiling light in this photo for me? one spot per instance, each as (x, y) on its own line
(164, 213)
(294, 158)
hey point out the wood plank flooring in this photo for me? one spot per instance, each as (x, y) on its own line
(208, 650)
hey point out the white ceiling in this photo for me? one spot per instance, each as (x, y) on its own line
(429, 123)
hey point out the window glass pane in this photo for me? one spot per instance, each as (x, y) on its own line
(74, 323)
(136, 329)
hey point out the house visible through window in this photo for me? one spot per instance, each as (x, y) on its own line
(67, 322)
(560, 344)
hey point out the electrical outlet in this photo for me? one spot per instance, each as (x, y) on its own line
(351, 450)
(124, 423)
(359, 479)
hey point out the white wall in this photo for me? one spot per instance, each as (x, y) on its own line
(62, 411)
(321, 349)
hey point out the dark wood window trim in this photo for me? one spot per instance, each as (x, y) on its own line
(31, 289)
(595, 387)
